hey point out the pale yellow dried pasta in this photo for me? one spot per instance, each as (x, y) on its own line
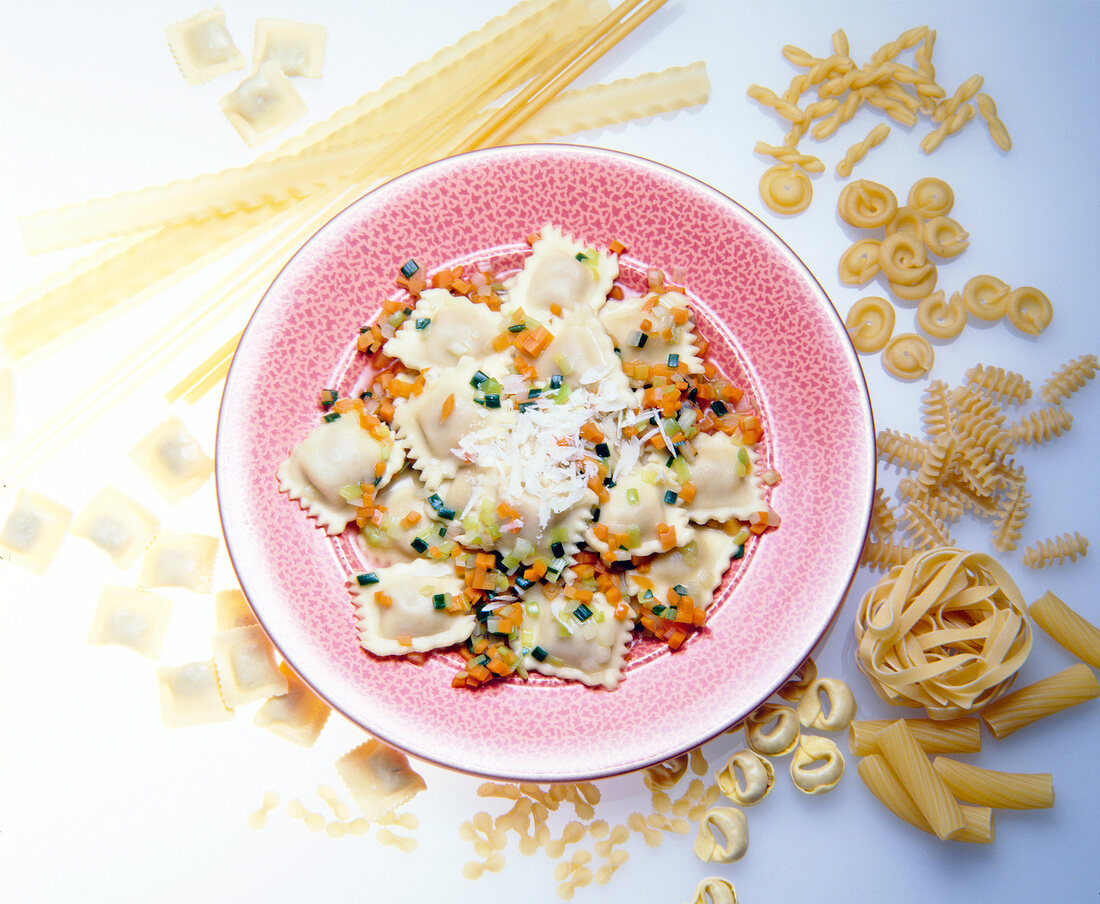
(906, 219)
(895, 103)
(791, 156)
(263, 104)
(1039, 700)
(1068, 628)
(746, 778)
(908, 356)
(883, 518)
(944, 237)
(769, 98)
(731, 824)
(997, 381)
(817, 765)
(1040, 426)
(1068, 378)
(903, 258)
(772, 729)
(665, 775)
(866, 204)
(900, 449)
(203, 47)
(885, 785)
(997, 129)
(937, 409)
(941, 318)
(990, 788)
(931, 196)
(947, 631)
(918, 290)
(986, 296)
(1029, 310)
(794, 687)
(953, 104)
(933, 735)
(827, 705)
(1008, 524)
(870, 323)
(842, 114)
(1055, 550)
(950, 126)
(860, 263)
(860, 149)
(786, 189)
(882, 555)
(714, 890)
(926, 527)
(914, 770)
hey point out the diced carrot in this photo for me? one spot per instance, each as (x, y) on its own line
(687, 492)
(448, 407)
(501, 341)
(617, 293)
(382, 598)
(622, 610)
(555, 309)
(616, 247)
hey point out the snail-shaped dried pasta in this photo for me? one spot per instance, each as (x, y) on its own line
(986, 297)
(1029, 310)
(944, 237)
(786, 189)
(817, 765)
(841, 709)
(906, 219)
(903, 259)
(908, 356)
(713, 890)
(795, 686)
(918, 290)
(860, 263)
(870, 323)
(932, 197)
(746, 778)
(772, 729)
(866, 204)
(734, 829)
(940, 317)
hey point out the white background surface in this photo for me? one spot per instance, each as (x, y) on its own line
(100, 802)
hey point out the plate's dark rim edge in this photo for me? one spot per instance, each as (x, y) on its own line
(800, 265)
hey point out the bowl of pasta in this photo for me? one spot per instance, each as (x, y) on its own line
(522, 467)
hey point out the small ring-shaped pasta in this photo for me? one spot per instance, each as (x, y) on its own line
(940, 318)
(859, 264)
(803, 677)
(866, 204)
(757, 772)
(1029, 310)
(986, 296)
(907, 219)
(932, 197)
(732, 824)
(812, 713)
(781, 738)
(786, 189)
(902, 258)
(944, 237)
(917, 290)
(714, 890)
(908, 356)
(817, 765)
(870, 323)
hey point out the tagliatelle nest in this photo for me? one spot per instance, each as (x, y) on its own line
(947, 630)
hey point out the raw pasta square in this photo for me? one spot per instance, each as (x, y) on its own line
(179, 559)
(298, 715)
(116, 524)
(379, 778)
(263, 104)
(189, 695)
(33, 530)
(172, 460)
(131, 618)
(297, 47)
(203, 47)
(231, 610)
(247, 669)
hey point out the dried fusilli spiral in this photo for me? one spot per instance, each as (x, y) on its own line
(1009, 523)
(1054, 550)
(1040, 426)
(883, 520)
(927, 530)
(901, 449)
(1068, 378)
(935, 409)
(997, 381)
(883, 555)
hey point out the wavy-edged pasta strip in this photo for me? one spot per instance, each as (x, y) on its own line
(933, 735)
(1068, 628)
(1021, 708)
(990, 788)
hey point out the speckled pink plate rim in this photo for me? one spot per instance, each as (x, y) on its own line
(772, 328)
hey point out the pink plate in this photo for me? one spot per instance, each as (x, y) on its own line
(772, 330)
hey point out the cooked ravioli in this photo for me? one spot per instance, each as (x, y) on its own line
(443, 329)
(725, 473)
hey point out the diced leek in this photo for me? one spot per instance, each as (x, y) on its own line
(562, 395)
(649, 475)
(634, 536)
(741, 536)
(564, 364)
(632, 496)
(680, 469)
(353, 492)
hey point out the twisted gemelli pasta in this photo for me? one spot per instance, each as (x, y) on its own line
(941, 318)
(986, 297)
(1029, 310)
(997, 130)
(786, 189)
(858, 151)
(732, 825)
(908, 356)
(781, 738)
(932, 197)
(870, 323)
(791, 156)
(866, 204)
(963, 93)
(860, 263)
(770, 99)
(944, 237)
(746, 778)
(817, 765)
(948, 127)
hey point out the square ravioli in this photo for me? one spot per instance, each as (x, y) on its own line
(117, 524)
(33, 530)
(130, 618)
